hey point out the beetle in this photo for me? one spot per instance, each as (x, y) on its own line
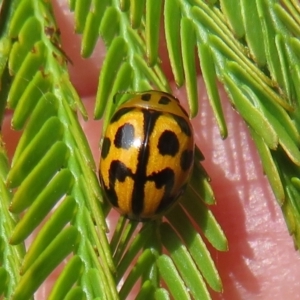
(147, 155)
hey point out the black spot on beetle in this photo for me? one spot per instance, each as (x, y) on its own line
(162, 178)
(124, 136)
(105, 147)
(168, 143)
(183, 124)
(186, 159)
(146, 97)
(111, 196)
(118, 171)
(164, 100)
(119, 113)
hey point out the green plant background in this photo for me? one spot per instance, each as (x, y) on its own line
(250, 47)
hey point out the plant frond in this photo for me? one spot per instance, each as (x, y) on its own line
(188, 42)
(261, 86)
(228, 39)
(10, 256)
(126, 48)
(183, 262)
(52, 165)
(196, 246)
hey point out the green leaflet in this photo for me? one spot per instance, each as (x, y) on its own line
(58, 220)
(67, 279)
(124, 5)
(200, 184)
(173, 280)
(63, 244)
(123, 242)
(188, 43)
(269, 32)
(172, 16)
(94, 281)
(53, 161)
(91, 258)
(46, 108)
(147, 290)
(143, 264)
(253, 31)
(29, 99)
(151, 75)
(251, 115)
(3, 280)
(136, 13)
(184, 263)
(232, 11)
(24, 8)
(204, 218)
(121, 83)
(113, 61)
(51, 132)
(269, 167)
(55, 190)
(110, 25)
(209, 76)
(289, 140)
(279, 42)
(133, 250)
(81, 9)
(162, 294)
(30, 34)
(75, 294)
(152, 30)
(289, 18)
(91, 28)
(196, 247)
(26, 73)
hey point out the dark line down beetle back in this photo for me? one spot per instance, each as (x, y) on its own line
(147, 155)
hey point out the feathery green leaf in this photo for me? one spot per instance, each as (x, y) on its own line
(250, 47)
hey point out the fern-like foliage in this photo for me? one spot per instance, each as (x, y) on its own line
(52, 180)
(250, 46)
(52, 166)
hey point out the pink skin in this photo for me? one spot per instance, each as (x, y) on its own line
(262, 262)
